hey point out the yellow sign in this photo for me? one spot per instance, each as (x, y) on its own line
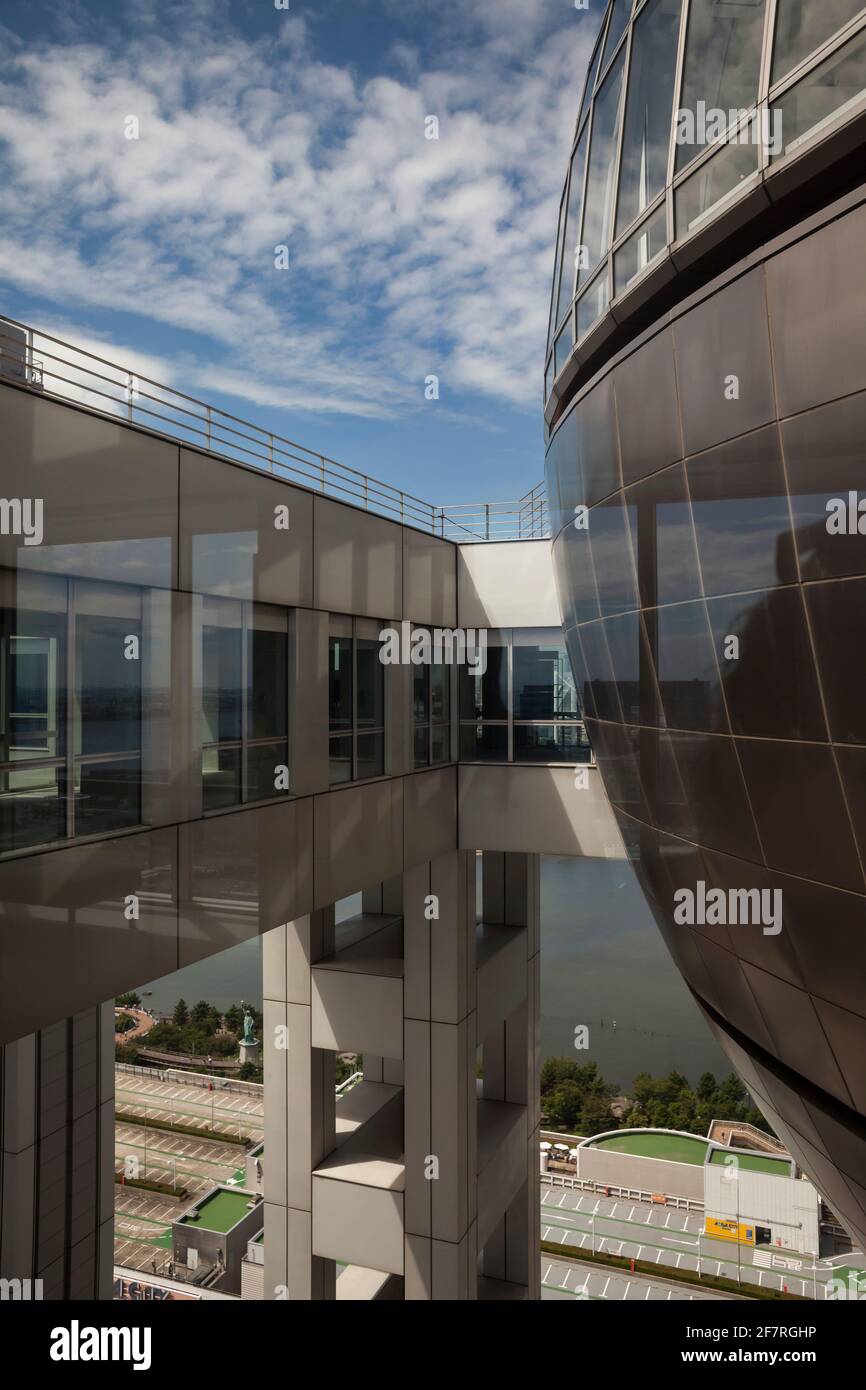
(729, 1230)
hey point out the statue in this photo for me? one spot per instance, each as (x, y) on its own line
(248, 1025)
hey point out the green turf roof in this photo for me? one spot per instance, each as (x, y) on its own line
(752, 1162)
(219, 1212)
(676, 1148)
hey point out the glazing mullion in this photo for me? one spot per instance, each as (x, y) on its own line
(623, 98)
(246, 630)
(678, 96)
(73, 712)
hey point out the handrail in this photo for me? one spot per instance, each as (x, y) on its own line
(41, 362)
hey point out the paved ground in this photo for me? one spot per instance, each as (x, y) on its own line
(142, 1220)
(561, 1279)
(224, 1111)
(667, 1236)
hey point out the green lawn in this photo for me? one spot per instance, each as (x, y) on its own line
(754, 1163)
(676, 1148)
(220, 1212)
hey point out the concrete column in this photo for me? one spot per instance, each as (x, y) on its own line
(511, 899)
(57, 1157)
(299, 1108)
(440, 1088)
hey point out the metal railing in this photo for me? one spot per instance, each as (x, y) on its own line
(523, 520)
(56, 368)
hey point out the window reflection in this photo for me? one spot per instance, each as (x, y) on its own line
(828, 91)
(540, 720)
(245, 715)
(802, 26)
(571, 236)
(72, 654)
(431, 712)
(722, 62)
(618, 20)
(646, 138)
(356, 700)
(600, 178)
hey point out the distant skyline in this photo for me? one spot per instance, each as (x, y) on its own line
(304, 128)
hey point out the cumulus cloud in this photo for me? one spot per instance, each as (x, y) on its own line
(406, 255)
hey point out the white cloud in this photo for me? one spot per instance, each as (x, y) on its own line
(404, 252)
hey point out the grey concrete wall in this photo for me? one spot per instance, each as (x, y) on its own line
(57, 1157)
(648, 1174)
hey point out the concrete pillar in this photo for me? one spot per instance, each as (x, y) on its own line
(57, 1140)
(418, 1157)
(299, 1108)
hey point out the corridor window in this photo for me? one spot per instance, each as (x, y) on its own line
(431, 712)
(245, 702)
(72, 657)
(356, 700)
(524, 708)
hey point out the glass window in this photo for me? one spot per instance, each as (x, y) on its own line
(825, 93)
(571, 237)
(722, 63)
(340, 683)
(267, 684)
(562, 348)
(484, 743)
(370, 673)
(485, 696)
(222, 670)
(356, 700)
(542, 720)
(618, 20)
(641, 249)
(72, 654)
(431, 704)
(716, 181)
(557, 264)
(245, 703)
(646, 138)
(543, 686)
(592, 305)
(600, 177)
(802, 26)
(551, 743)
(592, 73)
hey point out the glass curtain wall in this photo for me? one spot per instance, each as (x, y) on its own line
(245, 702)
(431, 712)
(356, 700)
(524, 707)
(74, 664)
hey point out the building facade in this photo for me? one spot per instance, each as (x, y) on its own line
(199, 744)
(705, 397)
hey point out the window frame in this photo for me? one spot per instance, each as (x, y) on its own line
(341, 625)
(254, 617)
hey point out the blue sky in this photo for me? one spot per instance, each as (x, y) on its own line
(261, 127)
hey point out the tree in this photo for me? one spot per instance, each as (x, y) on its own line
(234, 1019)
(181, 1013)
(200, 1012)
(130, 1000)
(595, 1116)
(707, 1087)
(124, 1023)
(564, 1103)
